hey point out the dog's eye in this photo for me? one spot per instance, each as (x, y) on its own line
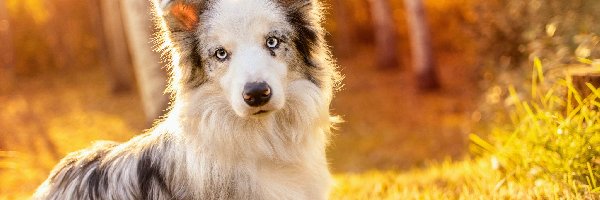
(221, 54)
(272, 42)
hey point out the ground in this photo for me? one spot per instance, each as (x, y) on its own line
(390, 127)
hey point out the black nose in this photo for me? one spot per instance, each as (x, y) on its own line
(257, 94)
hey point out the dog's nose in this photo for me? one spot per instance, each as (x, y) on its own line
(257, 94)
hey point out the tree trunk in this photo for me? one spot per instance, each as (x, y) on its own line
(385, 34)
(343, 32)
(96, 22)
(6, 49)
(119, 75)
(57, 31)
(151, 78)
(420, 41)
(119, 62)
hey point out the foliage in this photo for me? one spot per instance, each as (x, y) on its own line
(551, 140)
(513, 32)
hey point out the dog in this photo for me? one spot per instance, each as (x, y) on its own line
(251, 82)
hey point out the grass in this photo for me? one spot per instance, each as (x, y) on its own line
(469, 179)
(554, 137)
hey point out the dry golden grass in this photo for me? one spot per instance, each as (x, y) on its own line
(470, 179)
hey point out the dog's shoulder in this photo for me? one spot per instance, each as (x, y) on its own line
(93, 171)
(81, 159)
(73, 168)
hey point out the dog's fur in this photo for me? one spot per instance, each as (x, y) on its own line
(211, 145)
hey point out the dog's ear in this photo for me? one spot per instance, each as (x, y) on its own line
(181, 15)
(305, 17)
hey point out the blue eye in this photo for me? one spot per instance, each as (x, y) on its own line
(221, 54)
(272, 42)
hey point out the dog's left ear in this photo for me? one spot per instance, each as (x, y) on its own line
(181, 15)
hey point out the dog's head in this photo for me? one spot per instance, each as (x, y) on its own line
(248, 52)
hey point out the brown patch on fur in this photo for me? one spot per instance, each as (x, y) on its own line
(186, 14)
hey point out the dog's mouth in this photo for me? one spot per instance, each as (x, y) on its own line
(261, 112)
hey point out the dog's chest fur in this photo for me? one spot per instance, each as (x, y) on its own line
(247, 178)
(278, 158)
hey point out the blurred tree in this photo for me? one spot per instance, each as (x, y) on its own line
(119, 62)
(6, 49)
(96, 23)
(420, 40)
(58, 30)
(385, 34)
(343, 30)
(151, 78)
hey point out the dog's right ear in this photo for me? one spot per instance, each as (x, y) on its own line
(181, 15)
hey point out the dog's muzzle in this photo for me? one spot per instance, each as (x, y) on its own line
(257, 94)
